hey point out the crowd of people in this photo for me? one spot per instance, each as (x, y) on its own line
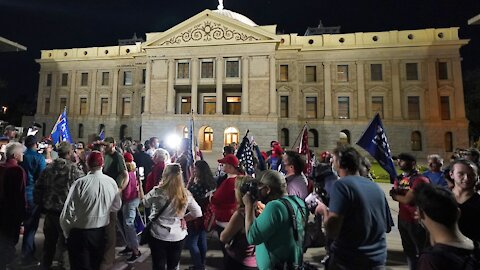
(89, 193)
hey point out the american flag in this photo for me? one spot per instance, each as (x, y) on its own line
(245, 155)
(304, 150)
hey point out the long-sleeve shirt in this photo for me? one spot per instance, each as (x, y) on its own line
(224, 201)
(89, 202)
(33, 164)
(12, 192)
(168, 225)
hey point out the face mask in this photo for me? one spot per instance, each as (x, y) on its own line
(157, 145)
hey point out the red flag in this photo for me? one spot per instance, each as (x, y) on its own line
(304, 150)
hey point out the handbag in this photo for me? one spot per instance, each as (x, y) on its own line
(146, 236)
(209, 218)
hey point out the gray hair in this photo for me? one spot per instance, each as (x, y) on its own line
(160, 152)
(435, 158)
(12, 148)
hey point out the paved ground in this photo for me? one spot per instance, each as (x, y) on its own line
(396, 259)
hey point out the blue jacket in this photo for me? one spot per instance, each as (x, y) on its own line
(33, 164)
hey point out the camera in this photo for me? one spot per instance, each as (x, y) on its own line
(252, 187)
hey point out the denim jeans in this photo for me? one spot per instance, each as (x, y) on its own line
(129, 210)
(196, 242)
(30, 229)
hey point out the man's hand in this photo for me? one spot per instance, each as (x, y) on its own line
(321, 208)
(259, 209)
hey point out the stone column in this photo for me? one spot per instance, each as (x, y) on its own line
(245, 89)
(327, 86)
(170, 86)
(458, 84)
(92, 93)
(53, 93)
(194, 80)
(73, 88)
(273, 88)
(219, 81)
(148, 85)
(396, 98)
(433, 98)
(361, 104)
(41, 91)
(113, 112)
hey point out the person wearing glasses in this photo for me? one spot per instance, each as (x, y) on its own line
(434, 172)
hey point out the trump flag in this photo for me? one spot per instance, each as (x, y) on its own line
(60, 132)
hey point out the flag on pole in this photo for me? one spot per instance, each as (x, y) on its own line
(60, 131)
(245, 155)
(101, 135)
(374, 141)
(304, 150)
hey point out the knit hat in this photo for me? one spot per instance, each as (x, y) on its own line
(229, 159)
(95, 159)
(128, 157)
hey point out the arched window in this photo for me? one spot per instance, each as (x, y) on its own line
(448, 142)
(100, 128)
(313, 138)
(345, 136)
(231, 135)
(80, 130)
(140, 133)
(207, 139)
(185, 132)
(123, 132)
(416, 140)
(44, 129)
(285, 137)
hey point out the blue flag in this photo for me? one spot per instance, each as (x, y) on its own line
(101, 135)
(374, 141)
(60, 132)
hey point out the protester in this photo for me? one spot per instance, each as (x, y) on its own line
(465, 175)
(86, 214)
(143, 160)
(33, 163)
(435, 173)
(12, 201)
(473, 154)
(296, 180)
(9, 133)
(48, 152)
(240, 254)
(201, 184)
(185, 159)
(411, 232)
(50, 193)
(438, 212)
(168, 230)
(130, 202)
(154, 144)
(275, 159)
(220, 173)
(160, 158)
(272, 231)
(115, 168)
(358, 217)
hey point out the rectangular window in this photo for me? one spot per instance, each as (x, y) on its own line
(83, 106)
(234, 105)
(46, 109)
(186, 105)
(144, 76)
(63, 103)
(127, 78)
(126, 106)
(232, 69)
(284, 106)
(64, 79)
(284, 73)
(209, 105)
(377, 105)
(442, 71)
(207, 69)
(142, 105)
(49, 79)
(376, 73)
(445, 107)
(412, 71)
(84, 79)
(105, 78)
(104, 106)
(311, 107)
(344, 107)
(414, 108)
(183, 70)
(342, 73)
(310, 73)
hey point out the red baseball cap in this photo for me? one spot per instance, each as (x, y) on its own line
(95, 159)
(229, 159)
(128, 157)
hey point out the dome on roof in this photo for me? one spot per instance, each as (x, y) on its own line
(236, 16)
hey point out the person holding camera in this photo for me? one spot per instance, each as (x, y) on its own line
(279, 231)
(357, 218)
(240, 254)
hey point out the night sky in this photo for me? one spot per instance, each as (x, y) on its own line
(58, 24)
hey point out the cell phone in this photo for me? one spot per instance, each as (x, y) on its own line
(312, 201)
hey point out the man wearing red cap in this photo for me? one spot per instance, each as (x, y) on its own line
(86, 214)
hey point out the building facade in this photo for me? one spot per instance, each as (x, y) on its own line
(235, 75)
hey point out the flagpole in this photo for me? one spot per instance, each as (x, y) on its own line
(299, 134)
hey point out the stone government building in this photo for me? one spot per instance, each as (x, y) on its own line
(236, 75)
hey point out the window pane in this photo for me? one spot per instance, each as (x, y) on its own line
(105, 78)
(186, 105)
(104, 106)
(284, 106)
(377, 105)
(344, 107)
(445, 107)
(127, 106)
(232, 69)
(311, 107)
(207, 70)
(49, 79)
(376, 72)
(64, 79)
(234, 105)
(310, 73)
(414, 108)
(46, 109)
(127, 78)
(83, 106)
(84, 81)
(442, 71)
(183, 71)
(412, 71)
(283, 73)
(342, 73)
(209, 105)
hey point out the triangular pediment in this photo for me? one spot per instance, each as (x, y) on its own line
(208, 28)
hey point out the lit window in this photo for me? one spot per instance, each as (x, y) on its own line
(310, 73)
(416, 141)
(64, 79)
(445, 107)
(414, 108)
(377, 105)
(232, 69)
(344, 107)
(105, 78)
(376, 73)
(127, 78)
(83, 106)
(231, 135)
(442, 71)
(284, 106)
(207, 139)
(412, 71)
(84, 79)
(46, 109)
(207, 69)
(209, 105)
(234, 105)
(342, 73)
(311, 107)
(284, 73)
(183, 70)
(185, 104)
(127, 106)
(185, 132)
